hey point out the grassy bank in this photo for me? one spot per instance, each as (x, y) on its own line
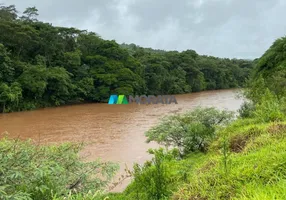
(246, 161)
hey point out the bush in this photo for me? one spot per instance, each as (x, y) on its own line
(152, 181)
(263, 104)
(269, 108)
(255, 89)
(191, 131)
(42, 172)
(246, 110)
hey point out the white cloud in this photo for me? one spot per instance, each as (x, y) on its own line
(224, 28)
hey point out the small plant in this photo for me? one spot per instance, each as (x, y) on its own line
(153, 179)
(226, 155)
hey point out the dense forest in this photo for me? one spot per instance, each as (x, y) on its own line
(43, 65)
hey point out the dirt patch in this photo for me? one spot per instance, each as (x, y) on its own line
(238, 142)
(277, 129)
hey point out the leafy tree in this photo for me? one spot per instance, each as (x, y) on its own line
(10, 95)
(34, 81)
(85, 88)
(191, 131)
(59, 86)
(30, 14)
(72, 61)
(60, 65)
(8, 12)
(6, 69)
(31, 172)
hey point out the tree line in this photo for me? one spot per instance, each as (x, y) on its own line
(43, 65)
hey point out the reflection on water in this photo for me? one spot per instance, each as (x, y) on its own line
(112, 132)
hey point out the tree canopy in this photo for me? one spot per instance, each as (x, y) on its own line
(44, 65)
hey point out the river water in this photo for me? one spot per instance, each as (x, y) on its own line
(112, 132)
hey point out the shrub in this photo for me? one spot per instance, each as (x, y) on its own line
(246, 110)
(269, 108)
(255, 89)
(191, 131)
(152, 181)
(29, 172)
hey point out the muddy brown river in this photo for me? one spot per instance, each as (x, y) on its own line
(112, 132)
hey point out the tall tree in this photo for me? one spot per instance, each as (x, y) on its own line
(8, 12)
(30, 14)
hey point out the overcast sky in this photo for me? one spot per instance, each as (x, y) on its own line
(223, 28)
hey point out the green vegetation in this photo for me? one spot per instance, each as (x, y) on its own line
(245, 159)
(191, 131)
(42, 65)
(209, 155)
(253, 166)
(31, 172)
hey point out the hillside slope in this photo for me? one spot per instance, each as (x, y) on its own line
(252, 166)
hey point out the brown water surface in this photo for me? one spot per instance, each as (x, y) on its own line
(112, 132)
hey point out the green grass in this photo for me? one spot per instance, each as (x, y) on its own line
(255, 170)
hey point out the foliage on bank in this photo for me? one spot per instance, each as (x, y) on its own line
(29, 171)
(189, 132)
(269, 72)
(43, 65)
